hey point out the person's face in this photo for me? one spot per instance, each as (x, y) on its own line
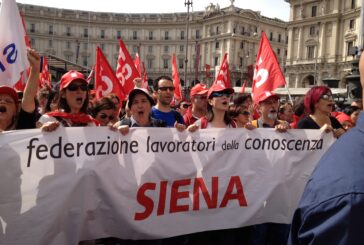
(117, 107)
(325, 104)
(347, 125)
(287, 114)
(7, 109)
(165, 92)
(183, 107)
(244, 116)
(75, 95)
(354, 116)
(105, 117)
(140, 107)
(220, 100)
(269, 108)
(199, 101)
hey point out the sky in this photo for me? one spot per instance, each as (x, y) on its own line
(270, 8)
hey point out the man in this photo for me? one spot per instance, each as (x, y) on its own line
(331, 210)
(163, 90)
(198, 95)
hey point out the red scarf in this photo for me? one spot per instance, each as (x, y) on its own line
(74, 118)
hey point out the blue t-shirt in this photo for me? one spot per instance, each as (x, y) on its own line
(169, 117)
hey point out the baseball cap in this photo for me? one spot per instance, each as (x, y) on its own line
(265, 95)
(136, 91)
(10, 91)
(199, 89)
(218, 87)
(69, 77)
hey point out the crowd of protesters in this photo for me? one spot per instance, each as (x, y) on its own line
(71, 103)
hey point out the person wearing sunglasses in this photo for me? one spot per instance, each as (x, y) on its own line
(72, 104)
(183, 107)
(164, 91)
(240, 114)
(198, 109)
(318, 103)
(103, 111)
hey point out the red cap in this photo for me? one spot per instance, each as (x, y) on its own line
(69, 77)
(342, 117)
(218, 87)
(265, 95)
(10, 91)
(199, 88)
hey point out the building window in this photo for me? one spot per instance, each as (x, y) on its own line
(166, 49)
(279, 38)
(135, 49)
(102, 34)
(102, 46)
(150, 37)
(150, 63)
(166, 35)
(352, 24)
(314, 11)
(165, 63)
(135, 35)
(242, 30)
(32, 27)
(350, 48)
(310, 52)
(217, 45)
(118, 34)
(353, 4)
(85, 46)
(312, 30)
(50, 30)
(150, 49)
(182, 35)
(286, 39)
(217, 30)
(84, 60)
(216, 61)
(68, 31)
(271, 36)
(278, 51)
(85, 32)
(50, 43)
(241, 45)
(198, 34)
(241, 62)
(32, 42)
(180, 63)
(181, 48)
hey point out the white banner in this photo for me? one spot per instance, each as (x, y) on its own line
(86, 183)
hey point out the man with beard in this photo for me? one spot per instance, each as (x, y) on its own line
(198, 109)
(163, 90)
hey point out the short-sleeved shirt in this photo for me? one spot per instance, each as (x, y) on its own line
(169, 117)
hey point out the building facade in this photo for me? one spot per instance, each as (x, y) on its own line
(323, 41)
(73, 35)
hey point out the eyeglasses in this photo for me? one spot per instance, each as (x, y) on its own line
(185, 105)
(245, 113)
(167, 88)
(104, 116)
(220, 94)
(326, 97)
(75, 87)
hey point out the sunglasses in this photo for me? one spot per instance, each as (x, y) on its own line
(220, 94)
(104, 116)
(166, 88)
(75, 87)
(245, 113)
(185, 106)
(326, 97)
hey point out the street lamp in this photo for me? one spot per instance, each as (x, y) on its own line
(187, 3)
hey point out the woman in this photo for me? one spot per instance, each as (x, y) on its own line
(11, 117)
(285, 112)
(353, 112)
(318, 104)
(240, 114)
(103, 111)
(72, 105)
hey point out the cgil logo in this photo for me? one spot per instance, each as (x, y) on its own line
(10, 53)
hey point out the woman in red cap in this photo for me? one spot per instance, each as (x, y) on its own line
(11, 117)
(72, 105)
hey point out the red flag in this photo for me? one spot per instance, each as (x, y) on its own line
(105, 79)
(243, 87)
(45, 78)
(126, 71)
(176, 81)
(145, 78)
(207, 69)
(91, 74)
(137, 63)
(223, 76)
(267, 75)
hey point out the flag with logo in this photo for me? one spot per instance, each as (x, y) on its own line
(176, 80)
(267, 74)
(126, 71)
(105, 79)
(145, 77)
(45, 77)
(223, 76)
(13, 58)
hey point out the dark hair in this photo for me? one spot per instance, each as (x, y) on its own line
(299, 107)
(156, 81)
(62, 103)
(234, 111)
(240, 99)
(103, 103)
(210, 115)
(351, 109)
(283, 106)
(53, 95)
(113, 96)
(313, 96)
